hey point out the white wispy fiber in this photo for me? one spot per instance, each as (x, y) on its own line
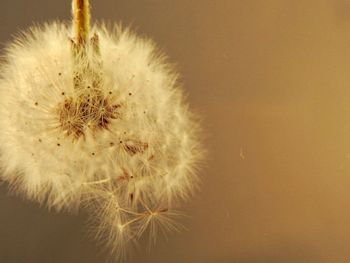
(107, 128)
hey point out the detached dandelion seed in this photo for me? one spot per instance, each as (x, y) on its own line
(94, 117)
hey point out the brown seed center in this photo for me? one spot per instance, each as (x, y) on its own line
(95, 113)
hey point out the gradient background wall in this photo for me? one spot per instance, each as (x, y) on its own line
(272, 82)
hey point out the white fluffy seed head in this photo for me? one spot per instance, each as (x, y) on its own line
(111, 121)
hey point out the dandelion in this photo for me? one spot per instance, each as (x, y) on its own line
(95, 117)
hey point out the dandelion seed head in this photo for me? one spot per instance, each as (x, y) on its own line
(106, 126)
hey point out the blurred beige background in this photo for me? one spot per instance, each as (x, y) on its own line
(271, 80)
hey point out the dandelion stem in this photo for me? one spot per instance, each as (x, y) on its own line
(81, 20)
